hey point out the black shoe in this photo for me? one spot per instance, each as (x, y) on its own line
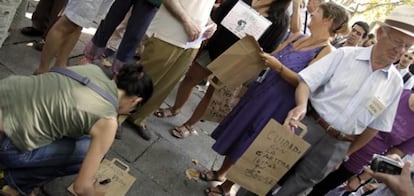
(141, 130)
(31, 31)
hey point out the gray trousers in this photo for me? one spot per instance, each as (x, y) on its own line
(324, 154)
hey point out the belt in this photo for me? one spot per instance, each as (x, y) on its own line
(330, 130)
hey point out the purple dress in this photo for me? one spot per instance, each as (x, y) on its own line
(401, 137)
(272, 98)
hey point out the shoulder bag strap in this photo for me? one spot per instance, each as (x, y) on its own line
(406, 77)
(85, 81)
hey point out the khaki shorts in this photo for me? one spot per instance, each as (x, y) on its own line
(203, 59)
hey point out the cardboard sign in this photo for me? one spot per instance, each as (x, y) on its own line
(275, 150)
(243, 19)
(238, 64)
(117, 171)
(222, 102)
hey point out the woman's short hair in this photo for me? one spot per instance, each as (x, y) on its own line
(135, 82)
(339, 15)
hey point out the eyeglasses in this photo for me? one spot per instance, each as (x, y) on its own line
(394, 42)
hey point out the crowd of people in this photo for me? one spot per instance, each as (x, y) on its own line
(351, 85)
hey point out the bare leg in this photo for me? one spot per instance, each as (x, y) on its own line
(194, 76)
(63, 54)
(225, 166)
(201, 107)
(55, 40)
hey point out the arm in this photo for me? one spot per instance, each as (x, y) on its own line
(210, 31)
(191, 28)
(102, 136)
(290, 76)
(287, 74)
(302, 95)
(295, 20)
(361, 140)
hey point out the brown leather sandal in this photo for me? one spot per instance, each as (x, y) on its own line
(183, 131)
(165, 112)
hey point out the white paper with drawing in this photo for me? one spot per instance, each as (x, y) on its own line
(243, 19)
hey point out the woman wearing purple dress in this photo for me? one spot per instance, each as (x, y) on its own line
(275, 95)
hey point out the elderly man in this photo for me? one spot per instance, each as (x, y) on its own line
(358, 33)
(354, 93)
(174, 39)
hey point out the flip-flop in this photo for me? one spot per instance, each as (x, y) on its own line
(165, 112)
(220, 191)
(204, 176)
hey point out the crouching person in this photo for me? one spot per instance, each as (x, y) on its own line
(53, 125)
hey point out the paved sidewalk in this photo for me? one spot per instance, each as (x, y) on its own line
(159, 165)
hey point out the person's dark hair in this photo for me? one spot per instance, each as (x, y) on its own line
(134, 81)
(339, 15)
(364, 26)
(280, 19)
(371, 36)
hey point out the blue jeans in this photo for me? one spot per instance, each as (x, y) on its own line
(27, 170)
(141, 16)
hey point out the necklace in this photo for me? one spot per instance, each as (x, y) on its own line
(302, 45)
(283, 53)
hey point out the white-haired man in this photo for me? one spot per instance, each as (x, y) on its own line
(354, 93)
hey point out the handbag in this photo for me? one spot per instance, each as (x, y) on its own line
(224, 99)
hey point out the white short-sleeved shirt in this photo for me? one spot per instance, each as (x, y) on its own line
(342, 86)
(166, 27)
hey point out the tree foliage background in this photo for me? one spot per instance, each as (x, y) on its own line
(371, 10)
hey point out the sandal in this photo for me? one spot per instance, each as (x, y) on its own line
(165, 112)
(209, 176)
(183, 131)
(218, 190)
